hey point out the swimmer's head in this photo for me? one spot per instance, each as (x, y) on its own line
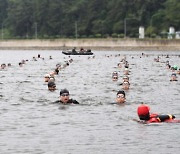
(143, 112)
(51, 86)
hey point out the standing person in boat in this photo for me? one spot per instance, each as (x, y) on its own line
(145, 116)
(65, 99)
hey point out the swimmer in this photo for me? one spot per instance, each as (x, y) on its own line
(64, 98)
(119, 65)
(20, 64)
(115, 76)
(126, 71)
(173, 77)
(125, 85)
(56, 71)
(125, 79)
(144, 114)
(46, 78)
(51, 86)
(9, 64)
(3, 66)
(121, 97)
(178, 71)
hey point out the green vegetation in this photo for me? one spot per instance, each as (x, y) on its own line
(87, 18)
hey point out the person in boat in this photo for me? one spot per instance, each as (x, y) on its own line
(65, 99)
(51, 86)
(145, 116)
(173, 77)
(74, 50)
(120, 97)
(82, 50)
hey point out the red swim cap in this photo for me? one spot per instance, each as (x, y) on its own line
(143, 110)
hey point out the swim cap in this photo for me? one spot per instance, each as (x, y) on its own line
(51, 84)
(64, 91)
(173, 74)
(175, 67)
(143, 110)
(47, 76)
(125, 77)
(121, 92)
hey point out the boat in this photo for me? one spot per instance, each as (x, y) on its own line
(71, 52)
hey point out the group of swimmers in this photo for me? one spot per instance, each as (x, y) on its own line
(22, 62)
(143, 111)
(50, 80)
(173, 68)
(50, 77)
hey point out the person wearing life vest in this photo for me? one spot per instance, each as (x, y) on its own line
(144, 114)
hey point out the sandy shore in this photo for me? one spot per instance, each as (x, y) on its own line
(93, 44)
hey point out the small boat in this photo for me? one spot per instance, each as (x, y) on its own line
(70, 52)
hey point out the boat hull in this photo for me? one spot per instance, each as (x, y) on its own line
(77, 53)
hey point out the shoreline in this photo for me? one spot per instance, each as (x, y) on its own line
(93, 44)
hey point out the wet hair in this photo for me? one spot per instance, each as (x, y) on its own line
(64, 91)
(121, 92)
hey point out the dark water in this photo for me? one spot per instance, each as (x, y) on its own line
(31, 123)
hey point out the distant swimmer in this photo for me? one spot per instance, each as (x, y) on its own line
(178, 71)
(145, 116)
(3, 66)
(65, 99)
(115, 76)
(125, 85)
(126, 71)
(173, 77)
(51, 86)
(46, 78)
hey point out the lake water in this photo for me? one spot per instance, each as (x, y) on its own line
(31, 124)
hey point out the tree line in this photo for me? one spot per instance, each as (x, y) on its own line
(87, 18)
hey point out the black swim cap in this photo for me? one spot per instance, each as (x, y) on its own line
(121, 92)
(64, 91)
(51, 84)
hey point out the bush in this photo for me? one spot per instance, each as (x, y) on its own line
(98, 35)
(114, 35)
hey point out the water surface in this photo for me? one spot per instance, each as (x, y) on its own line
(31, 123)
